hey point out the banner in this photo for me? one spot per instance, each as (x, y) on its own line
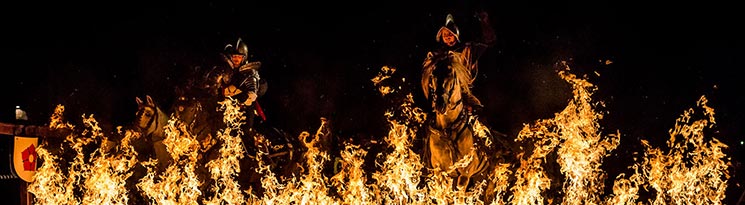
(24, 157)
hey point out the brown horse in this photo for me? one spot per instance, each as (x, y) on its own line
(450, 135)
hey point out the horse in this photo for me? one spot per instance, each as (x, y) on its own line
(449, 134)
(150, 121)
(198, 111)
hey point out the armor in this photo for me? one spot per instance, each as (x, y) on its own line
(238, 48)
(242, 78)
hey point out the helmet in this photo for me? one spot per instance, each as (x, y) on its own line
(449, 26)
(239, 48)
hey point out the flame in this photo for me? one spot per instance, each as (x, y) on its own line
(692, 171)
(532, 179)
(56, 121)
(351, 181)
(569, 147)
(178, 184)
(481, 131)
(440, 185)
(625, 191)
(499, 176)
(47, 186)
(107, 173)
(225, 169)
(52, 186)
(582, 148)
(310, 188)
(399, 175)
(385, 73)
(49, 182)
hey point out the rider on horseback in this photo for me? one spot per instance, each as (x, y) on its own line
(241, 79)
(447, 77)
(468, 52)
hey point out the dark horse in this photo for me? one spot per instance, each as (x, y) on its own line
(450, 135)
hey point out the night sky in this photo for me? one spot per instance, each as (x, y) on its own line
(318, 59)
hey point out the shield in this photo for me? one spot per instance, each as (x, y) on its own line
(25, 157)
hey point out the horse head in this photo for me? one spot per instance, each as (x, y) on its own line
(149, 119)
(443, 83)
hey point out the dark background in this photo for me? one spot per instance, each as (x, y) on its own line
(318, 58)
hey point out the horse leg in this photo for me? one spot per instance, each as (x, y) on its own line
(441, 153)
(465, 146)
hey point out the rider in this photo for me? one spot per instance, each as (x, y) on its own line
(449, 37)
(241, 80)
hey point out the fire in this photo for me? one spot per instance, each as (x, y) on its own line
(98, 178)
(559, 161)
(532, 179)
(351, 181)
(399, 175)
(225, 169)
(48, 180)
(693, 169)
(583, 147)
(47, 186)
(108, 172)
(312, 187)
(500, 176)
(178, 184)
(385, 73)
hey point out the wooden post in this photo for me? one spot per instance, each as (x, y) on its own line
(26, 198)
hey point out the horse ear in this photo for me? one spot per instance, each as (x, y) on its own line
(139, 101)
(149, 100)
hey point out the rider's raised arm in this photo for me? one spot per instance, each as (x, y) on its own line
(488, 37)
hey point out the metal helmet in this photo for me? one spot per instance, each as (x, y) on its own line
(238, 48)
(449, 26)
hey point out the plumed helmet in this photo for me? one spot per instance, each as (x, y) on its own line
(238, 48)
(449, 26)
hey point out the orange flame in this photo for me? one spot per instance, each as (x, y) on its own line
(693, 170)
(179, 183)
(385, 73)
(107, 174)
(351, 181)
(225, 169)
(582, 148)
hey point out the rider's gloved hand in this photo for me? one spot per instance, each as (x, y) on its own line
(251, 98)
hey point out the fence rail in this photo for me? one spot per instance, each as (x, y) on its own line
(32, 131)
